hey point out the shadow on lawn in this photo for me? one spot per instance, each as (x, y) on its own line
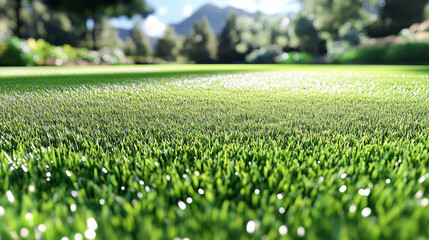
(62, 81)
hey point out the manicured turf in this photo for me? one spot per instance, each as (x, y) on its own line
(215, 152)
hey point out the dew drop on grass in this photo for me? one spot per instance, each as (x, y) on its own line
(251, 226)
(68, 173)
(343, 188)
(366, 212)
(24, 168)
(91, 223)
(74, 193)
(141, 182)
(41, 228)
(78, 236)
(283, 230)
(282, 210)
(300, 231)
(101, 202)
(29, 216)
(189, 200)
(73, 207)
(197, 173)
(352, 208)
(2, 211)
(181, 205)
(140, 195)
(257, 191)
(90, 234)
(168, 177)
(147, 189)
(419, 194)
(23, 232)
(388, 181)
(279, 196)
(201, 191)
(424, 202)
(104, 170)
(364, 192)
(64, 238)
(10, 196)
(48, 174)
(343, 175)
(31, 188)
(122, 188)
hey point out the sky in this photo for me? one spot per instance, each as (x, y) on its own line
(174, 11)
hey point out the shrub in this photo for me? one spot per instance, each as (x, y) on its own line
(15, 53)
(408, 53)
(372, 54)
(264, 55)
(295, 58)
(411, 52)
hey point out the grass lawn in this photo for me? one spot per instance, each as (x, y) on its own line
(214, 152)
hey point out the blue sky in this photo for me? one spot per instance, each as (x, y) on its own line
(174, 11)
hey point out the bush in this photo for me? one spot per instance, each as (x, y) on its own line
(401, 53)
(264, 55)
(408, 53)
(15, 53)
(372, 54)
(295, 58)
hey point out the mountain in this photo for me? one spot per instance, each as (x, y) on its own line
(216, 17)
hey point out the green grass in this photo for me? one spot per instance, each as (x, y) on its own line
(324, 152)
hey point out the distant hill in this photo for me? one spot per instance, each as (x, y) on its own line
(215, 15)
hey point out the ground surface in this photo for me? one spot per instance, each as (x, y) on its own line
(215, 152)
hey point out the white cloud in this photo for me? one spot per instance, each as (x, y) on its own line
(265, 6)
(162, 11)
(187, 10)
(153, 27)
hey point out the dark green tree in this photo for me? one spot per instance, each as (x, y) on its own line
(82, 10)
(307, 34)
(7, 17)
(107, 35)
(329, 15)
(18, 5)
(396, 15)
(53, 26)
(228, 41)
(201, 44)
(169, 46)
(138, 44)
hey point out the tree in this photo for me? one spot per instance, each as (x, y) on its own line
(108, 36)
(228, 41)
(329, 15)
(307, 34)
(169, 46)
(17, 5)
(138, 44)
(201, 44)
(53, 26)
(82, 10)
(7, 15)
(396, 15)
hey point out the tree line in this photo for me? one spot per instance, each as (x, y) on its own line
(319, 28)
